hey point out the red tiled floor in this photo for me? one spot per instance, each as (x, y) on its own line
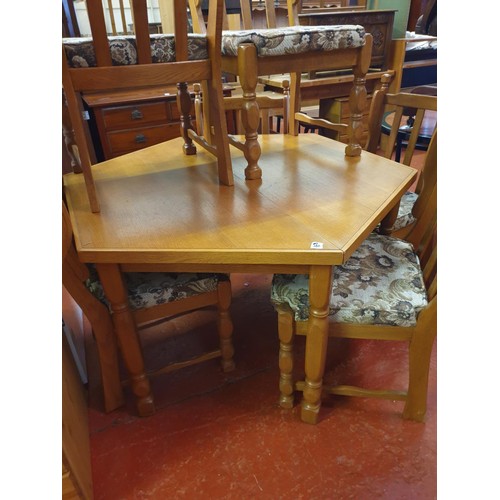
(224, 436)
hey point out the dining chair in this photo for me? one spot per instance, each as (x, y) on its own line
(154, 297)
(387, 290)
(409, 117)
(250, 53)
(139, 61)
(273, 109)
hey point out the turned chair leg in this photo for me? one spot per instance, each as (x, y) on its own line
(225, 325)
(184, 105)
(250, 116)
(286, 336)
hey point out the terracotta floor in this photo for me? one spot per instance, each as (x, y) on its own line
(224, 436)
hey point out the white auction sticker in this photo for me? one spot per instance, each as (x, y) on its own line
(316, 245)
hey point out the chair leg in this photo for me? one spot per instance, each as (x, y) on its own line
(102, 327)
(286, 336)
(357, 99)
(225, 325)
(420, 355)
(128, 339)
(184, 105)
(250, 116)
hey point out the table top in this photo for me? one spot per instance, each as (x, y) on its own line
(313, 206)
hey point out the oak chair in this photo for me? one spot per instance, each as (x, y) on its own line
(105, 62)
(250, 53)
(416, 110)
(271, 105)
(154, 297)
(387, 290)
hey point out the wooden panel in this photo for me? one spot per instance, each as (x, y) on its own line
(77, 475)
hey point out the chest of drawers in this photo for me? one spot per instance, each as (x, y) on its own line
(126, 121)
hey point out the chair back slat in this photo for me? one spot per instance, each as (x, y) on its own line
(423, 235)
(181, 37)
(428, 177)
(246, 15)
(391, 142)
(412, 141)
(270, 14)
(293, 7)
(112, 17)
(429, 270)
(99, 32)
(141, 31)
(199, 25)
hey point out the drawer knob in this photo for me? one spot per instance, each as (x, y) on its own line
(136, 114)
(140, 138)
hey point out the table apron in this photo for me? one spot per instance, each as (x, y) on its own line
(219, 268)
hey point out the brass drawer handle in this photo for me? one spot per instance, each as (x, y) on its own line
(140, 138)
(136, 115)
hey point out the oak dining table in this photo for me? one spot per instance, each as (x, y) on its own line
(310, 211)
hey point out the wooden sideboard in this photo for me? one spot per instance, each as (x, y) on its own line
(125, 121)
(377, 22)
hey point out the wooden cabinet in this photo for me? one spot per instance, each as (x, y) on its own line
(127, 121)
(337, 111)
(377, 22)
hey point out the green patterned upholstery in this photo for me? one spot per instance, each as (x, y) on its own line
(151, 289)
(381, 283)
(294, 39)
(80, 51)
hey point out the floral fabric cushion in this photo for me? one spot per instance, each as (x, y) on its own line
(405, 217)
(294, 40)
(150, 289)
(381, 284)
(80, 51)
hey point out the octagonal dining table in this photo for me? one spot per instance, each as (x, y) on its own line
(310, 211)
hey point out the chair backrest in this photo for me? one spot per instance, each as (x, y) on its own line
(105, 63)
(246, 22)
(423, 234)
(389, 112)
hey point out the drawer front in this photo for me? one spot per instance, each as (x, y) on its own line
(125, 117)
(127, 141)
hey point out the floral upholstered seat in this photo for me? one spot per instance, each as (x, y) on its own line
(405, 216)
(294, 40)
(80, 51)
(381, 283)
(150, 289)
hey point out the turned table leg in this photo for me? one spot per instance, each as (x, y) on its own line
(250, 116)
(126, 332)
(320, 283)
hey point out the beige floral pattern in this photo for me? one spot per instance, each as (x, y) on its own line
(405, 216)
(80, 51)
(381, 283)
(149, 289)
(295, 39)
